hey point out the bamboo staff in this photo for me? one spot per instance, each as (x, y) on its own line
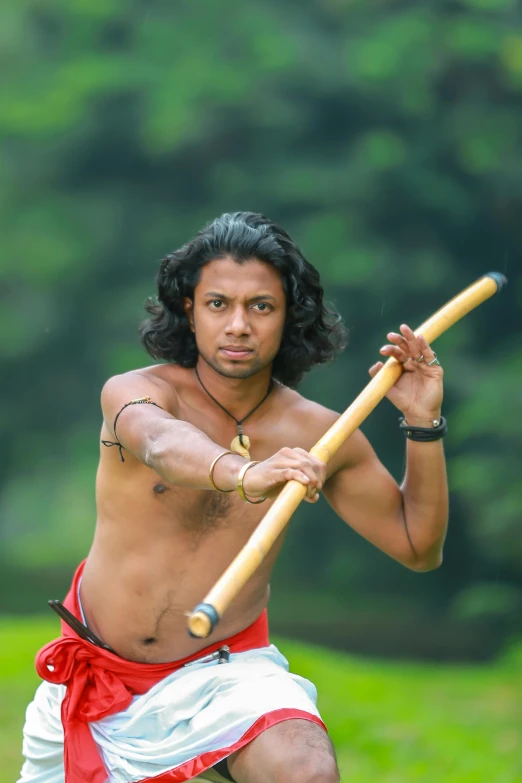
(207, 614)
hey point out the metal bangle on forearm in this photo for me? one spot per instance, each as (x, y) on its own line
(211, 471)
(240, 488)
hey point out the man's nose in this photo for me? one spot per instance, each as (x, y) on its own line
(238, 323)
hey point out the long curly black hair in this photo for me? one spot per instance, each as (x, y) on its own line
(312, 332)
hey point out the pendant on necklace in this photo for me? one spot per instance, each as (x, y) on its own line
(243, 450)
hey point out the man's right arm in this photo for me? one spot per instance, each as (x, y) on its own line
(176, 450)
(182, 454)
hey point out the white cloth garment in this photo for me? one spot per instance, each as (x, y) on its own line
(183, 725)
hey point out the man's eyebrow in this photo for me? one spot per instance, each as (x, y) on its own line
(258, 298)
(262, 297)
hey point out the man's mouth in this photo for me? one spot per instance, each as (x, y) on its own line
(236, 351)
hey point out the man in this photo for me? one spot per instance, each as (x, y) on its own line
(202, 445)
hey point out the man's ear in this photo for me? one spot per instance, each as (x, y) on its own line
(188, 306)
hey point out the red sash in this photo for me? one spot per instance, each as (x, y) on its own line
(100, 683)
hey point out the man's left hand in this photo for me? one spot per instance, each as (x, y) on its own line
(418, 392)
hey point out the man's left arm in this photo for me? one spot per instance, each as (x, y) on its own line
(409, 522)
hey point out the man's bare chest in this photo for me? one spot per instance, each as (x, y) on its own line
(267, 432)
(194, 510)
(144, 509)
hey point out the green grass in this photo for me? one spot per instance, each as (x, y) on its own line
(390, 722)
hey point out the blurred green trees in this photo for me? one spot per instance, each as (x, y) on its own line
(384, 136)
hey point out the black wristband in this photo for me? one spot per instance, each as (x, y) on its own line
(424, 434)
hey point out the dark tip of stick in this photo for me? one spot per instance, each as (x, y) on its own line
(499, 278)
(210, 612)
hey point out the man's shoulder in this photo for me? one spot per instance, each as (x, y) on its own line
(155, 373)
(318, 418)
(161, 381)
(314, 420)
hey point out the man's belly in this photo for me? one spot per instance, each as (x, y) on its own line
(137, 599)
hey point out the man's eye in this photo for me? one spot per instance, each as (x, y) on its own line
(262, 306)
(216, 304)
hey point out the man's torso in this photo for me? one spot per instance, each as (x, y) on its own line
(159, 548)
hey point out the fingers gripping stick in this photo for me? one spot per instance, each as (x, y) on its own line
(206, 615)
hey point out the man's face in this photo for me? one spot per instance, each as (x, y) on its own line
(237, 315)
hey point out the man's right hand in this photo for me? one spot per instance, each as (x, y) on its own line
(269, 477)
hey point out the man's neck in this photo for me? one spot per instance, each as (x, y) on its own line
(237, 395)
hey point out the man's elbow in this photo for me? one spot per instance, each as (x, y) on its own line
(154, 453)
(428, 563)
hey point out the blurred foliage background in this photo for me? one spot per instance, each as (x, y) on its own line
(386, 138)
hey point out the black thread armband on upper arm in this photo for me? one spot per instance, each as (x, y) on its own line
(139, 401)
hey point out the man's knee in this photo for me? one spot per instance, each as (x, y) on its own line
(296, 751)
(317, 768)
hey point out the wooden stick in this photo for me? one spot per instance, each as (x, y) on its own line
(205, 616)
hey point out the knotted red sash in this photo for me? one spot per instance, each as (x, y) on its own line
(100, 683)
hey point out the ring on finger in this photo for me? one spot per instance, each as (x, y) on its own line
(433, 361)
(419, 358)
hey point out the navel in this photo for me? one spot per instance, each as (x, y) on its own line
(150, 640)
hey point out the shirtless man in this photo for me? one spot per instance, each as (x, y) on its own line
(239, 319)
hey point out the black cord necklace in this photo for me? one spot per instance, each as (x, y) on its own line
(241, 443)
